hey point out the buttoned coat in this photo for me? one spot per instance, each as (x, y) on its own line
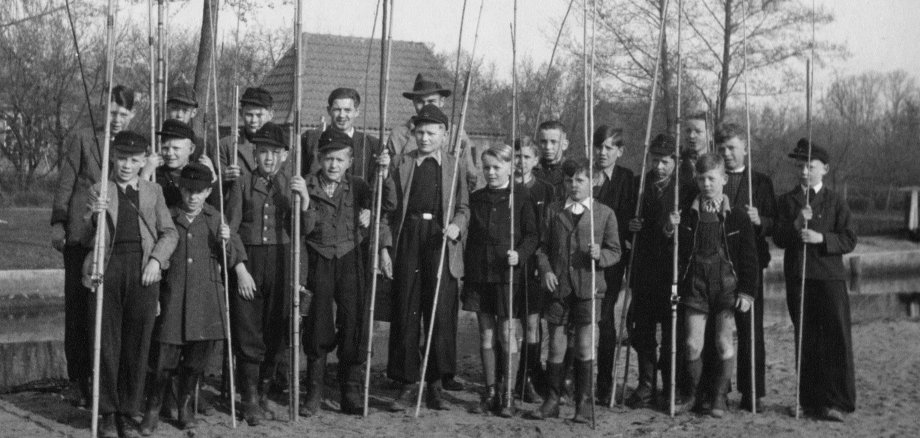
(765, 202)
(81, 164)
(619, 193)
(192, 294)
(459, 216)
(402, 141)
(261, 215)
(365, 148)
(566, 249)
(489, 234)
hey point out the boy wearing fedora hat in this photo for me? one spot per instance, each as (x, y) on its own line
(828, 388)
(255, 111)
(191, 321)
(140, 238)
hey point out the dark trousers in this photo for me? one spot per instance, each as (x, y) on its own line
(337, 315)
(78, 306)
(128, 315)
(827, 377)
(260, 326)
(415, 277)
(649, 309)
(743, 323)
(607, 328)
(191, 357)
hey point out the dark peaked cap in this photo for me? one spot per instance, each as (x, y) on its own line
(128, 142)
(256, 96)
(817, 152)
(270, 135)
(173, 128)
(184, 94)
(424, 86)
(662, 144)
(430, 114)
(331, 140)
(195, 177)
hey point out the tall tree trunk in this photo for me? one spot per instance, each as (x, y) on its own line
(203, 64)
(726, 62)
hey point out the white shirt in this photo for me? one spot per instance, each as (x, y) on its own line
(577, 207)
(436, 155)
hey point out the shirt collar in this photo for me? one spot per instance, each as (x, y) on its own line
(570, 203)
(436, 156)
(132, 184)
(725, 208)
(816, 188)
(737, 171)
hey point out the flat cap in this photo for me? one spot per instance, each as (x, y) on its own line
(662, 144)
(270, 135)
(257, 96)
(331, 140)
(173, 128)
(817, 152)
(195, 177)
(128, 142)
(430, 114)
(183, 94)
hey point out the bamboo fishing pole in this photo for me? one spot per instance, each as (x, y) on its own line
(98, 265)
(295, 225)
(367, 70)
(549, 67)
(385, 51)
(456, 151)
(76, 45)
(511, 271)
(453, 105)
(632, 255)
(152, 86)
(589, 114)
(675, 298)
(750, 187)
(160, 88)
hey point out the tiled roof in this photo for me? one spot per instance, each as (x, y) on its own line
(332, 61)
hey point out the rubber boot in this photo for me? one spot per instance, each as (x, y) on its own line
(644, 395)
(352, 389)
(188, 380)
(550, 406)
(694, 372)
(583, 382)
(488, 402)
(249, 394)
(156, 388)
(721, 387)
(316, 372)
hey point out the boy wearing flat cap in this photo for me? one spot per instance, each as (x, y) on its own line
(191, 321)
(177, 150)
(336, 223)
(139, 240)
(182, 105)
(256, 111)
(424, 178)
(819, 221)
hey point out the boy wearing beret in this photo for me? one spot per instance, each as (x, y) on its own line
(819, 224)
(139, 240)
(191, 321)
(336, 223)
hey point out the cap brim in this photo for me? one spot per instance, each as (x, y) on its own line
(183, 101)
(414, 94)
(244, 102)
(170, 134)
(193, 184)
(804, 157)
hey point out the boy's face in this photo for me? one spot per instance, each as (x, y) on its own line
(711, 182)
(193, 201)
(435, 99)
(181, 112)
(697, 135)
(496, 171)
(734, 152)
(343, 113)
(525, 160)
(811, 173)
(336, 163)
(553, 142)
(127, 166)
(663, 166)
(176, 152)
(578, 186)
(254, 117)
(121, 118)
(606, 155)
(430, 137)
(269, 159)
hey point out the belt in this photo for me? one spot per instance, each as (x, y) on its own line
(421, 216)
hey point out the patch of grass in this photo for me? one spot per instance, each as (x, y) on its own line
(25, 236)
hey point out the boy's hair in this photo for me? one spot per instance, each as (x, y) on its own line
(602, 133)
(527, 143)
(707, 162)
(345, 93)
(500, 152)
(727, 131)
(550, 125)
(574, 166)
(123, 96)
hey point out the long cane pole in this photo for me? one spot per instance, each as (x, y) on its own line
(627, 297)
(378, 196)
(99, 242)
(675, 298)
(453, 105)
(457, 151)
(511, 271)
(295, 225)
(549, 67)
(152, 86)
(160, 88)
(750, 186)
(589, 129)
(367, 72)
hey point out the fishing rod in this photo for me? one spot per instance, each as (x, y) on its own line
(511, 271)
(549, 67)
(750, 187)
(295, 144)
(453, 105)
(675, 297)
(367, 71)
(76, 45)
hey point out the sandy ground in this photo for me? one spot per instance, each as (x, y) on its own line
(887, 361)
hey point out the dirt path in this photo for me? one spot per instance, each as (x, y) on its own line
(888, 370)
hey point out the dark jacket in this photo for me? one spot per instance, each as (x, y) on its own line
(260, 214)
(192, 295)
(172, 194)
(654, 259)
(81, 164)
(765, 202)
(365, 148)
(830, 217)
(542, 194)
(552, 174)
(737, 239)
(487, 244)
(565, 249)
(330, 223)
(619, 193)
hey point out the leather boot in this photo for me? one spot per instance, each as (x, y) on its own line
(550, 406)
(694, 372)
(352, 389)
(156, 388)
(605, 374)
(188, 380)
(721, 387)
(505, 408)
(316, 372)
(249, 394)
(124, 424)
(488, 402)
(532, 385)
(107, 427)
(644, 395)
(265, 385)
(583, 382)
(434, 399)
(568, 382)
(405, 399)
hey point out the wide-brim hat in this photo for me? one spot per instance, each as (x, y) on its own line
(801, 152)
(195, 177)
(424, 86)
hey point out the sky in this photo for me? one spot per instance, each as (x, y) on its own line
(881, 35)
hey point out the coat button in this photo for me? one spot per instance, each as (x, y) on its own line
(189, 235)
(265, 239)
(190, 260)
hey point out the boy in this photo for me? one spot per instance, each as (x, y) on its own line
(139, 241)
(259, 209)
(828, 387)
(717, 275)
(191, 322)
(552, 139)
(730, 141)
(256, 111)
(565, 266)
(424, 178)
(177, 150)
(336, 224)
